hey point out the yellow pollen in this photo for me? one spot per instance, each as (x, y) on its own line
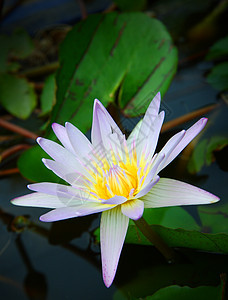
(118, 178)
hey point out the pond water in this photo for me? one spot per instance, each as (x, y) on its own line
(61, 260)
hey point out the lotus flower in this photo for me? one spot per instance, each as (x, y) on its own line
(113, 175)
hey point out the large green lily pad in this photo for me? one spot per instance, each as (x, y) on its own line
(120, 58)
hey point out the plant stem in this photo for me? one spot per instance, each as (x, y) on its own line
(15, 128)
(155, 239)
(188, 117)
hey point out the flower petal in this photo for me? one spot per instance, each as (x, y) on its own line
(113, 230)
(74, 211)
(170, 192)
(148, 136)
(168, 148)
(44, 200)
(62, 155)
(148, 187)
(190, 134)
(114, 200)
(61, 190)
(67, 173)
(79, 141)
(133, 209)
(60, 132)
(100, 111)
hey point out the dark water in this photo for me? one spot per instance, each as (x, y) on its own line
(61, 261)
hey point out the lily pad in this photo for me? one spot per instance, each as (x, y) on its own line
(184, 292)
(19, 45)
(17, 95)
(218, 77)
(169, 229)
(114, 57)
(48, 95)
(36, 154)
(214, 218)
(203, 153)
(119, 58)
(218, 50)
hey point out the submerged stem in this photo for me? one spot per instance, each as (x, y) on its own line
(155, 239)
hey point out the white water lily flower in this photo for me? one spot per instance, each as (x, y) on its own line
(113, 175)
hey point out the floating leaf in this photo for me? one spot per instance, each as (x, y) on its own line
(125, 56)
(17, 95)
(214, 218)
(184, 292)
(203, 153)
(48, 96)
(128, 57)
(182, 238)
(218, 77)
(173, 218)
(35, 154)
(218, 50)
(18, 45)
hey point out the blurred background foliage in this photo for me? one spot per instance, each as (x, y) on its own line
(122, 53)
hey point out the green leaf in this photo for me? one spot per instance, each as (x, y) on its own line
(203, 153)
(19, 45)
(131, 5)
(179, 293)
(218, 50)
(126, 56)
(218, 77)
(38, 172)
(17, 95)
(173, 218)
(214, 218)
(48, 95)
(182, 238)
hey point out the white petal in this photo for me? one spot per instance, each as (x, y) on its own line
(62, 155)
(170, 192)
(148, 187)
(60, 190)
(79, 141)
(133, 209)
(148, 136)
(115, 200)
(113, 230)
(67, 173)
(169, 147)
(60, 132)
(190, 134)
(74, 211)
(44, 200)
(100, 110)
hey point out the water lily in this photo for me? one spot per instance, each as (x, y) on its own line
(113, 175)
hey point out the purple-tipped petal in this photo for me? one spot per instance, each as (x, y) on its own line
(133, 209)
(60, 190)
(67, 173)
(148, 136)
(79, 141)
(43, 200)
(170, 192)
(190, 134)
(74, 211)
(60, 132)
(113, 230)
(102, 121)
(114, 200)
(62, 155)
(148, 187)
